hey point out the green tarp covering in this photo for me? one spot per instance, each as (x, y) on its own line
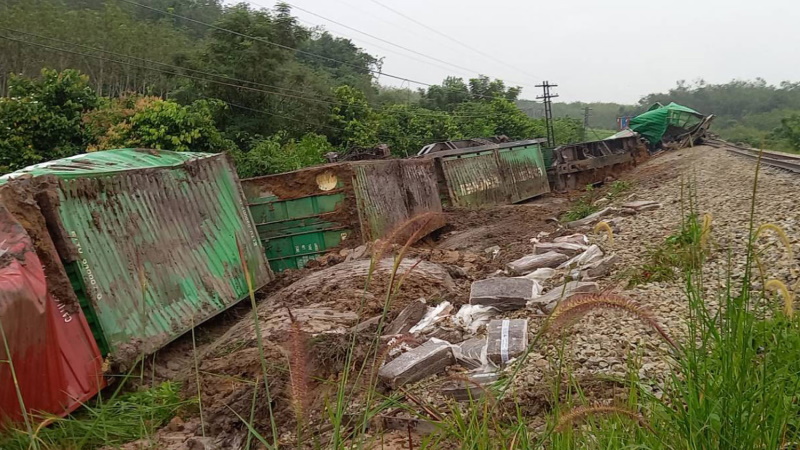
(656, 121)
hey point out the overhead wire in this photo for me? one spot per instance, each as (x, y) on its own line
(121, 55)
(439, 33)
(266, 41)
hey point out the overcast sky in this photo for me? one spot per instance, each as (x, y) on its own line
(594, 50)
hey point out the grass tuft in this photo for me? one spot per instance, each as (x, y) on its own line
(582, 412)
(788, 298)
(603, 225)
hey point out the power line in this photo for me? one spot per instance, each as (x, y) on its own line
(376, 72)
(121, 55)
(548, 110)
(434, 30)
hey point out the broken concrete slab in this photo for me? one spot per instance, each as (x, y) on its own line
(472, 388)
(416, 364)
(592, 218)
(408, 317)
(592, 254)
(505, 294)
(599, 268)
(506, 339)
(530, 263)
(639, 204)
(577, 238)
(547, 302)
(542, 274)
(565, 248)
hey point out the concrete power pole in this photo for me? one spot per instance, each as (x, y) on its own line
(586, 113)
(546, 98)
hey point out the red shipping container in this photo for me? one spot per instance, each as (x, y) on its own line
(56, 360)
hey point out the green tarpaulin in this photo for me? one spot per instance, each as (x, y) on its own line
(656, 121)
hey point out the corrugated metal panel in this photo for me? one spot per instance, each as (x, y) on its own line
(176, 225)
(55, 358)
(525, 168)
(504, 175)
(105, 162)
(301, 215)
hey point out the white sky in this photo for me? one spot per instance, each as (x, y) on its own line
(594, 50)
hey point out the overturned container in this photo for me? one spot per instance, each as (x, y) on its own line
(51, 363)
(151, 241)
(491, 174)
(303, 214)
(576, 165)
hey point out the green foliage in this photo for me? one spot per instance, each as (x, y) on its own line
(278, 153)
(354, 121)
(408, 128)
(149, 122)
(790, 130)
(454, 91)
(41, 119)
(113, 422)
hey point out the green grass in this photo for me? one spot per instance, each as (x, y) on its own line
(113, 422)
(585, 205)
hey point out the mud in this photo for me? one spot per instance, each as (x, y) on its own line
(19, 199)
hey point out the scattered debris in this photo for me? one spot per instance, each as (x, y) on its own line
(599, 268)
(546, 303)
(577, 238)
(471, 388)
(472, 317)
(505, 294)
(472, 353)
(506, 339)
(533, 262)
(593, 253)
(416, 364)
(566, 248)
(541, 275)
(432, 316)
(592, 218)
(408, 317)
(641, 205)
(492, 251)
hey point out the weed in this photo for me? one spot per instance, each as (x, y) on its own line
(106, 423)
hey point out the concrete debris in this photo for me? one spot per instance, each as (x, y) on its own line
(592, 254)
(505, 294)
(599, 268)
(357, 253)
(428, 359)
(592, 218)
(547, 302)
(541, 275)
(642, 205)
(368, 325)
(577, 238)
(408, 317)
(497, 273)
(472, 353)
(432, 316)
(472, 317)
(506, 339)
(473, 388)
(565, 248)
(456, 271)
(532, 262)
(492, 251)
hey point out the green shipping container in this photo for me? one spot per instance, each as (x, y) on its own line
(493, 174)
(150, 240)
(304, 214)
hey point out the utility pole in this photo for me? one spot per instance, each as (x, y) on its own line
(546, 98)
(586, 114)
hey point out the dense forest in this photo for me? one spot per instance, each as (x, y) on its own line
(88, 75)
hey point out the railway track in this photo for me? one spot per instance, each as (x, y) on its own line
(785, 161)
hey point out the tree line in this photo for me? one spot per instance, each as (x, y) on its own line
(89, 75)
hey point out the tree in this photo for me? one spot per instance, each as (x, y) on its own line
(151, 122)
(277, 154)
(41, 120)
(353, 122)
(408, 128)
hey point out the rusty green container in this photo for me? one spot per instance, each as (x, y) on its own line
(304, 214)
(493, 174)
(151, 241)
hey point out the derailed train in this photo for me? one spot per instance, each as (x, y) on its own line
(108, 256)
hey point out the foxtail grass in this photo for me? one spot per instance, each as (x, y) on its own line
(603, 225)
(788, 297)
(582, 412)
